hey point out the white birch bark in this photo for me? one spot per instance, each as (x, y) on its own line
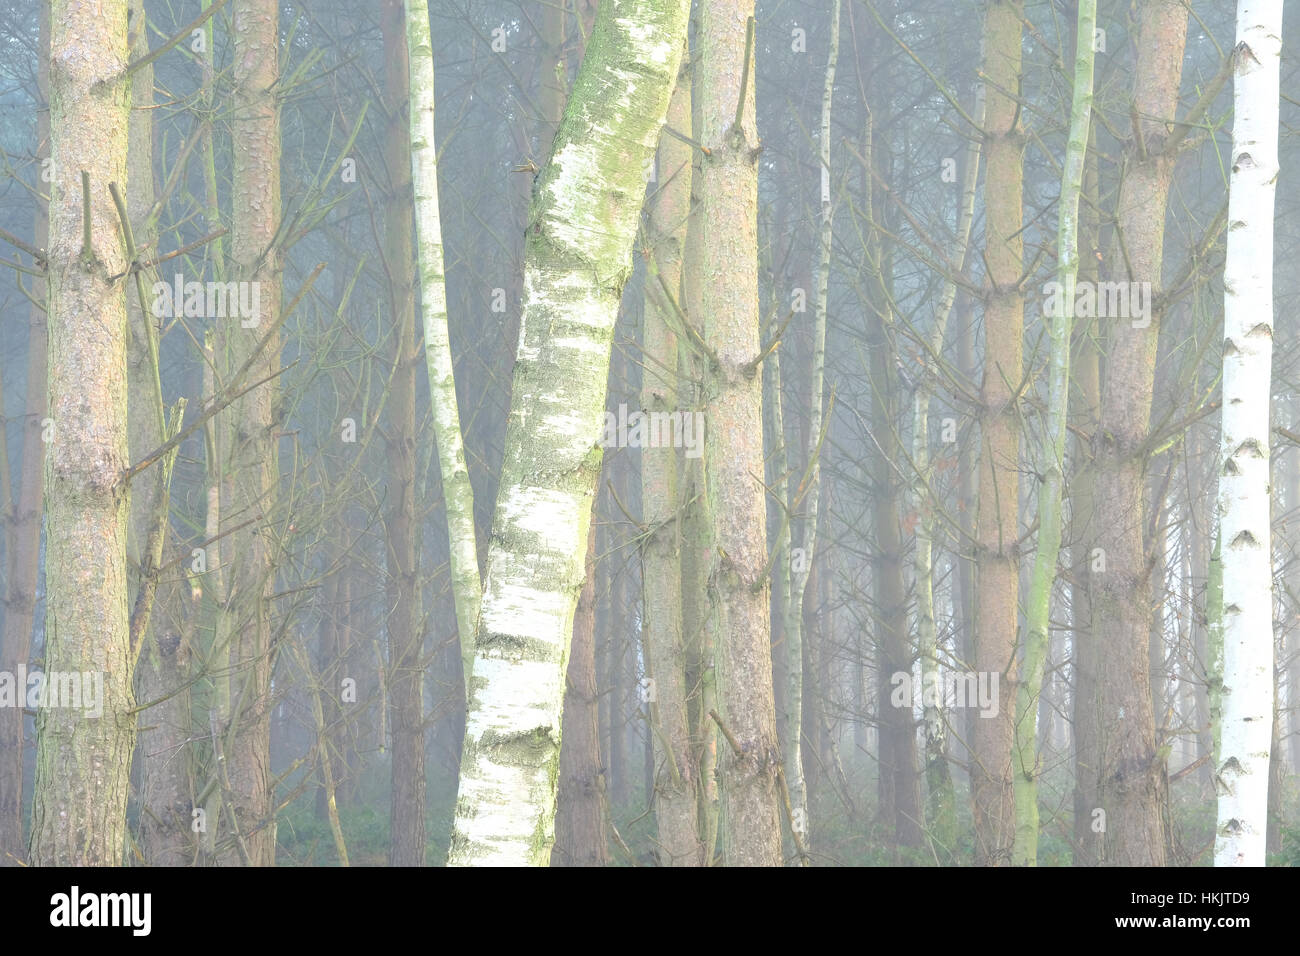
(1244, 494)
(458, 496)
(583, 220)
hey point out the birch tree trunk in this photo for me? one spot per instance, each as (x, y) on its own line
(739, 592)
(799, 569)
(458, 496)
(83, 762)
(1038, 611)
(584, 216)
(1244, 490)
(997, 524)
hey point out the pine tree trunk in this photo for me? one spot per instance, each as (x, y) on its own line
(404, 626)
(739, 616)
(997, 524)
(580, 803)
(1131, 773)
(250, 470)
(23, 523)
(82, 762)
(676, 775)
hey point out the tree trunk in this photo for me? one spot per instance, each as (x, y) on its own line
(457, 495)
(997, 524)
(83, 765)
(585, 212)
(404, 625)
(1038, 613)
(580, 804)
(250, 469)
(1244, 481)
(675, 775)
(23, 520)
(1131, 773)
(739, 616)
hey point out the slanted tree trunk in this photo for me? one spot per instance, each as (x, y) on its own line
(1244, 489)
(583, 220)
(457, 495)
(83, 765)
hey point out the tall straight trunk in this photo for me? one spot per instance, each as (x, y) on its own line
(165, 831)
(997, 525)
(697, 519)
(899, 784)
(404, 625)
(800, 562)
(1061, 320)
(940, 798)
(83, 761)
(1086, 399)
(1244, 480)
(250, 469)
(580, 803)
(23, 518)
(457, 495)
(1131, 773)
(585, 211)
(676, 776)
(733, 455)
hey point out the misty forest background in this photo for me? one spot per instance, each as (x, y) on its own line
(301, 673)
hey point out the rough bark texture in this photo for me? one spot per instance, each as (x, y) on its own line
(1131, 773)
(997, 525)
(739, 593)
(675, 776)
(83, 762)
(580, 802)
(405, 629)
(583, 220)
(249, 468)
(165, 832)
